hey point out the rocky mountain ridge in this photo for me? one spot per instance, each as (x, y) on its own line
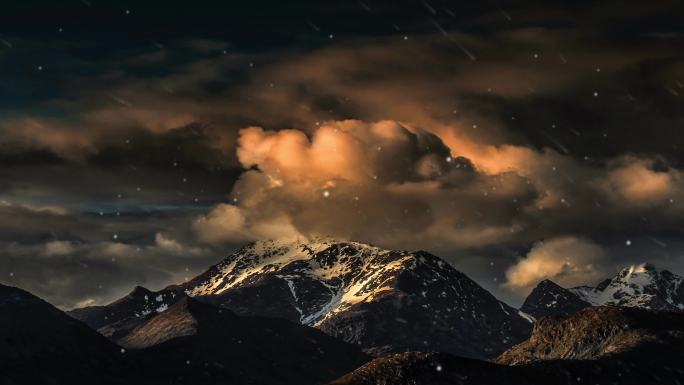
(357, 292)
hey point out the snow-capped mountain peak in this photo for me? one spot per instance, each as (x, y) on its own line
(263, 256)
(643, 285)
(345, 273)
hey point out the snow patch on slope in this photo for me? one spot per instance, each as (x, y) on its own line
(352, 277)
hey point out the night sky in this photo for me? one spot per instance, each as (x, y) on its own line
(140, 142)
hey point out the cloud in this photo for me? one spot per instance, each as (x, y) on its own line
(48, 210)
(225, 223)
(119, 250)
(642, 181)
(86, 302)
(568, 261)
(70, 274)
(22, 221)
(384, 182)
(174, 247)
(58, 248)
(402, 186)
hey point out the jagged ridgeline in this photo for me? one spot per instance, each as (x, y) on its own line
(359, 293)
(306, 313)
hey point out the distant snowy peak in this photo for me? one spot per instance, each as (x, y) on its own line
(639, 286)
(642, 286)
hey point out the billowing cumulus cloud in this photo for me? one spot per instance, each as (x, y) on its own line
(225, 223)
(228, 223)
(383, 182)
(568, 261)
(402, 186)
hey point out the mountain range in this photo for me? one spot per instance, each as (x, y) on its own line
(359, 293)
(309, 312)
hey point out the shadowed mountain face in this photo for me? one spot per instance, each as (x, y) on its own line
(359, 293)
(180, 320)
(117, 319)
(39, 344)
(216, 346)
(600, 345)
(640, 286)
(188, 343)
(548, 299)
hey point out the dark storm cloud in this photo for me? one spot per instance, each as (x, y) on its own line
(570, 112)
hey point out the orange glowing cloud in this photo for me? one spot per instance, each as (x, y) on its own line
(568, 261)
(384, 182)
(637, 181)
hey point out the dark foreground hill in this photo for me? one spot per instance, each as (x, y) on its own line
(600, 345)
(198, 343)
(597, 332)
(188, 343)
(39, 344)
(421, 368)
